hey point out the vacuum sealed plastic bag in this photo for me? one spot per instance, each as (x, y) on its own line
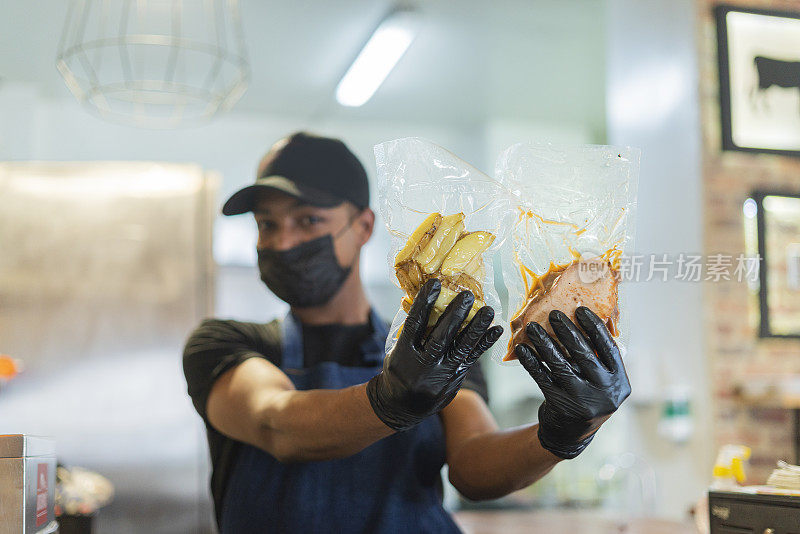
(573, 228)
(446, 220)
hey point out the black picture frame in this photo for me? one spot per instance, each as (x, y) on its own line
(764, 330)
(720, 12)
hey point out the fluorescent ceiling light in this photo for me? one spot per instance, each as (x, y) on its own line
(379, 56)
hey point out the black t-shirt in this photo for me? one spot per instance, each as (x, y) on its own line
(217, 346)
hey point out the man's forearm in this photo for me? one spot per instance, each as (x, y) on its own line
(493, 464)
(320, 424)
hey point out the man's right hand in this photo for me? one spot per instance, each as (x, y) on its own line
(422, 374)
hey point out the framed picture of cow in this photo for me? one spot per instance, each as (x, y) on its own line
(759, 79)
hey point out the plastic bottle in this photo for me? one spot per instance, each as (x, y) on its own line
(728, 473)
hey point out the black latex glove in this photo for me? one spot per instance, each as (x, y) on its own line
(421, 375)
(580, 391)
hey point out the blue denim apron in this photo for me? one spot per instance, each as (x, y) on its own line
(391, 486)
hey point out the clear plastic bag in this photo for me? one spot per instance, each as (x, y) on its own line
(417, 178)
(572, 202)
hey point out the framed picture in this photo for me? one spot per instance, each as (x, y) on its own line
(759, 79)
(778, 219)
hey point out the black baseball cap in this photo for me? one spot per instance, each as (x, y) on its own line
(319, 170)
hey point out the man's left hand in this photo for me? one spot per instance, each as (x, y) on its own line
(581, 391)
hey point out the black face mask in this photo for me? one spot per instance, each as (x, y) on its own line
(303, 276)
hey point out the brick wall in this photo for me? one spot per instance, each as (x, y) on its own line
(734, 351)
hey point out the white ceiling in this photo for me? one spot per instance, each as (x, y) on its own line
(473, 60)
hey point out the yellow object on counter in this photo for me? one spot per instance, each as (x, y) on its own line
(728, 470)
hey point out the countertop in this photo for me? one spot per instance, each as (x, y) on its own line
(579, 521)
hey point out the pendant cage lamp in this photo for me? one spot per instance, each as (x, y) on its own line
(154, 63)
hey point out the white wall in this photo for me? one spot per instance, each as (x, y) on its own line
(652, 103)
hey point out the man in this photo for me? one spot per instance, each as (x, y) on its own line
(312, 428)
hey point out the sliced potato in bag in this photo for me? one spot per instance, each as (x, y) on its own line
(442, 240)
